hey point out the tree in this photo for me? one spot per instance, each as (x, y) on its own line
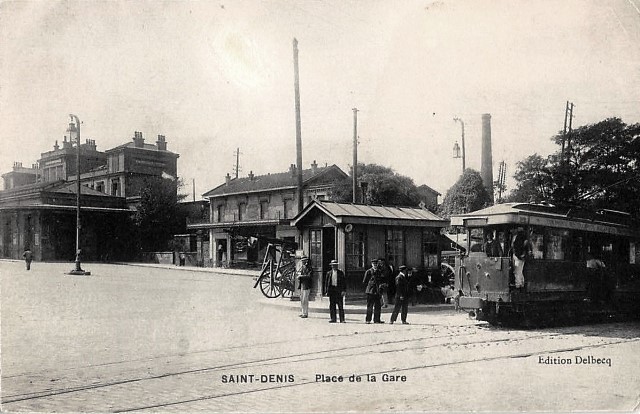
(600, 170)
(158, 216)
(534, 180)
(384, 187)
(466, 195)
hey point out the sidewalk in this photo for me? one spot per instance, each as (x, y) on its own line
(358, 307)
(315, 306)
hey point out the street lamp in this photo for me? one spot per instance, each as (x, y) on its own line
(456, 147)
(75, 129)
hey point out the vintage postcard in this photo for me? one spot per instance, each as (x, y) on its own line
(320, 206)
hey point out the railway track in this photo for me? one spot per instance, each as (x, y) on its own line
(330, 351)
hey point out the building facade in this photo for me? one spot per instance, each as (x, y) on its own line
(38, 205)
(246, 212)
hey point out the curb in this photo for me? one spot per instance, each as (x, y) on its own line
(217, 270)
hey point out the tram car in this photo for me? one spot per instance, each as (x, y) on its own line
(534, 264)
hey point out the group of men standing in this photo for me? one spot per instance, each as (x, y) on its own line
(376, 281)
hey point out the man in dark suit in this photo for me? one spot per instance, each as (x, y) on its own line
(335, 286)
(372, 281)
(402, 296)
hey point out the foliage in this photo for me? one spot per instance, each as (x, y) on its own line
(601, 172)
(534, 181)
(466, 195)
(158, 216)
(384, 187)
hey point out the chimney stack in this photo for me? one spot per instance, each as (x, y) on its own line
(56, 147)
(138, 141)
(486, 170)
(292, 170)
(161, 143)
(314, 167)
(251, 175)
(227, 179)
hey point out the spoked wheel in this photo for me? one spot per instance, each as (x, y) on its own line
(448, 272)
(287, 283)
(269, 288)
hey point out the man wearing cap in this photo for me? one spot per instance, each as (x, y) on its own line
(372, 280)
(402, 296)
(335, 286)
(304, 284)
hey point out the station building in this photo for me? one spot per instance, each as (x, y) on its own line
(38, 204)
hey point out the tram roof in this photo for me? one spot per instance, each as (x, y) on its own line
(548, 215)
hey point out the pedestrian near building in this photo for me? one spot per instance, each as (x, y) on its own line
(28, 257)
(335, 286)
(372, 281)
(304, 284)
(387, 278)
(402, 296)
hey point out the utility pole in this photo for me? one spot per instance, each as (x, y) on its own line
(298, 124)
(566, 133)
(569, 134)
(501, 179)
(355, 155)
(194, 188)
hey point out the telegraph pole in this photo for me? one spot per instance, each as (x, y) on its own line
(355, 155)
(298, 125)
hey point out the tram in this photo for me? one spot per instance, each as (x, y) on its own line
(574, 263)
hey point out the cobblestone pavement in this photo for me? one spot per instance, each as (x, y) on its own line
(147, 339)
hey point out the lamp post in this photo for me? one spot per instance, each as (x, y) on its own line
(75, 128)
(456, 147)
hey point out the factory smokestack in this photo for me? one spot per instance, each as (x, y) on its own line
(486, 170)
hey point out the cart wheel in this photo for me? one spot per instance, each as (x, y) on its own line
(448, 272)
(270, 290)
(286, 282)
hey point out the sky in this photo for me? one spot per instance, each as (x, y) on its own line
(217, 76)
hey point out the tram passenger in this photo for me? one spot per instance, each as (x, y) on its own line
(304, 284)
(492, 247)
(519, 255)
(335, 286)
(596, 285)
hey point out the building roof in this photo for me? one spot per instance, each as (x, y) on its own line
(145, 146)
(359, 213)
(426, 187)
(259, 183)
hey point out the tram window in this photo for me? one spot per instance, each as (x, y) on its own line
(557, 244)
(476, 240)
(536, 241)
(576, 247)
